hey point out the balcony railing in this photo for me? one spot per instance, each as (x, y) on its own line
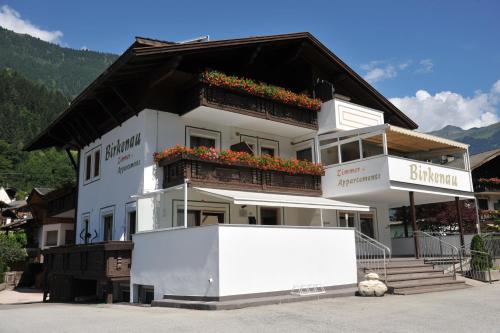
(486, 187)
(240, 102)
(221, 175)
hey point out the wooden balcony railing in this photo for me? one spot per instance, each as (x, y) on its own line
(486, 187)
(220, 175)
(240, 102)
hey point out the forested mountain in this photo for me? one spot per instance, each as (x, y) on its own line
(37, 81)
(26, 108)
(480, 139)
(58, 68)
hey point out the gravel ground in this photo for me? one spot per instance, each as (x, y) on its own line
(468, 310)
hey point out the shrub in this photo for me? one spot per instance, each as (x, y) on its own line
(11, 249)
(479, 260)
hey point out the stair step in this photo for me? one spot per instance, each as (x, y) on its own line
(429, 289)
(421, 282)
(407, 265)
(408, 270)
(412, 276)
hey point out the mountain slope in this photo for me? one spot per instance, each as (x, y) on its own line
(479, 138)
(58, 68)
(26, 108)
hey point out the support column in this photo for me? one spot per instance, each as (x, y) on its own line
(413, 217)
(460, 222)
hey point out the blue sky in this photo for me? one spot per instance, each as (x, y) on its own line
(439, 61)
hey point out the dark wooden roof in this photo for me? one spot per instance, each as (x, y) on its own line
(478, 160)
(150, 71)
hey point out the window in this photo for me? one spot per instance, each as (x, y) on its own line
(330, 155)
(199, 217)
(92, 165)
(200, 137)
(269, 216)
(69, 237)
(305, 155)
(197, 141)
(107, 221)
(131, 224)
(97, 162)
(349, 151)
(372, 146)
(88, 167)
(267, 151)
(346, 220)
(483, 204)
(51, 238)
(85, 234)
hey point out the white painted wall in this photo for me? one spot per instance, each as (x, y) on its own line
(339, 115)
(61, 233)
(177, 262)
(241, 259)
(266, 259)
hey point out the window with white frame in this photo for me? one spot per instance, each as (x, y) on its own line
(131, 220)
(261, 146)
(305, 151)
(198, 137)
(107, 223)
(92, 165)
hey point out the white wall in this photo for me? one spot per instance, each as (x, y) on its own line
(241, 259)
(267, 259)
(61, 233)
(177, 262)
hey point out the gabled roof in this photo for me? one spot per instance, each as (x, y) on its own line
(103, 105)
(479, 159)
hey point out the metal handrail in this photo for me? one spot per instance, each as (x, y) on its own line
(372, 254)
(438, 252)
(474, 270)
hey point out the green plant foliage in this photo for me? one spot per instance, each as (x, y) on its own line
(11, 248)
(479, 259)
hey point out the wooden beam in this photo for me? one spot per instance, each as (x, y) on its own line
(413, 217)
(124, 100)
(460, 222)
(164, 71)
(108, 111)
(94, 131)
(83, 132)
(295, 55)
(75, 134)
(339, 77)
(254, 55)
(72, 159)
(71, 135)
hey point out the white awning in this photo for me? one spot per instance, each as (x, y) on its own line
(280, 200)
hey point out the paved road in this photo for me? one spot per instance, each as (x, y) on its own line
(470, 310)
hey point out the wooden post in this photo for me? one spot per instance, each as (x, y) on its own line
(460, 222)
(413, 218)
(109, 292)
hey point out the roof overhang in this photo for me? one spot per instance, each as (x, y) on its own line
(103, 105)
(280, 200)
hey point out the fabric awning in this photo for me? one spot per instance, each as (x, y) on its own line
(280, 200)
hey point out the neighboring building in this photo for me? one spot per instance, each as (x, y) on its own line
(485, 168)
(210, 225)
(54, 212)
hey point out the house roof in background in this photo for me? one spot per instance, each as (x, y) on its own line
(479, 159)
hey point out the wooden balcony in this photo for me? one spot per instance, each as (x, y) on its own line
(480, 187)
(240, 177)
(246, 104)
(103, 263)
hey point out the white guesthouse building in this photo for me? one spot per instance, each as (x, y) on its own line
(210, 230)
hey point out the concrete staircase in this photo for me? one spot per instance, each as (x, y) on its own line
(406, 276)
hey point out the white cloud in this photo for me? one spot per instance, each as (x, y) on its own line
(433, 112)
(11, 19)
(426, 66)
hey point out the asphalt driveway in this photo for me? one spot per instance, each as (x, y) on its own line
(468, 310)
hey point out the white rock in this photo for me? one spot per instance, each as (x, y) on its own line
(372, 288)
(372, 276)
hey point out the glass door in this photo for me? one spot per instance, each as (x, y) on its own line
(366, 224)
(346, 219)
